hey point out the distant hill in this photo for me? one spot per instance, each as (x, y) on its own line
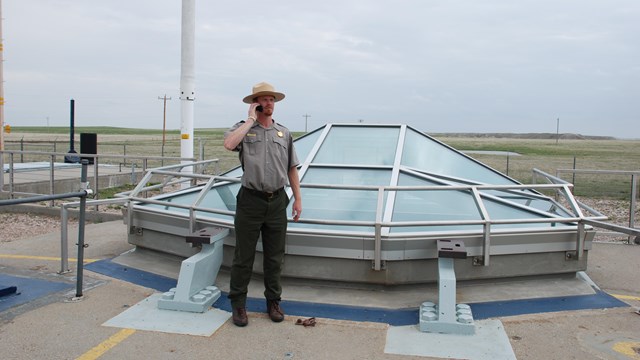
(543, 136)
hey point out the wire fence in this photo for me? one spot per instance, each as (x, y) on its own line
(205, 148)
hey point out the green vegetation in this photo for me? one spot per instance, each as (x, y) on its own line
(109, 193)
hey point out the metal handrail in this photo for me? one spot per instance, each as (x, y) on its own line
(82, 194)
(132, 198)
(631, 230)
(378, 223)
(95, 157)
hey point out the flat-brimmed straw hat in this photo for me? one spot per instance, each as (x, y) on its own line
(262, 89)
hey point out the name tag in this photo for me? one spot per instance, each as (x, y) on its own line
(251, 134)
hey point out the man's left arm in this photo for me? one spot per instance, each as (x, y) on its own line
(294, 181)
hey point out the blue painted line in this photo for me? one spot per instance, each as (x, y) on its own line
(394, 317)
(138, 277)
(28, 289)
(599, 300)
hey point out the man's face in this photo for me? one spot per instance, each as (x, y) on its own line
(268, 104)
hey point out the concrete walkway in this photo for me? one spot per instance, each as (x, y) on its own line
(55, 326)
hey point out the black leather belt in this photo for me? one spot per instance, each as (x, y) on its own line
(265, 194)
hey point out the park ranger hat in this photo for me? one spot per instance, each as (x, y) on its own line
(262, 89)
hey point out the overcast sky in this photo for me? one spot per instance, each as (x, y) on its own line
(440, 66)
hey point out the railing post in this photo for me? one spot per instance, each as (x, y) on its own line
(81, 220)
(11, 170)
(632, 205)
(64, 251)
(2, 167)
(377, 251)
(95, 180)
(52, 189)
(579, 240)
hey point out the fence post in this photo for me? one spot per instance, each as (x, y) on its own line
(2, 167)
(64, 251)
(573, 179)
(11, 171)
(21, 150)
(632, 206)
(52, 189)
(507, 164)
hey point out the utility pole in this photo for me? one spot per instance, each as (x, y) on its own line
(557, 130)
(306, 118)
(164, 122)
(1, 84)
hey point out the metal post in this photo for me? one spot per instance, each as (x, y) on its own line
(573, 179)
(1, 85)
(377, 250)
(187, 82)
(507, 164)
(632, 209)
(164, 123)
(81, 219)
(11, 170)
(64, 251)
(52, 178)
(133, 173)
(2, 167)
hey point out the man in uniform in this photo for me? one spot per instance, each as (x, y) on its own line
(268, 160)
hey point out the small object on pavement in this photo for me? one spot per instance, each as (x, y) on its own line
(306, 322)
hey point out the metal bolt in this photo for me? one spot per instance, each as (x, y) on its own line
(465, 319)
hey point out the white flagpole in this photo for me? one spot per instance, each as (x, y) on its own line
(187, 81)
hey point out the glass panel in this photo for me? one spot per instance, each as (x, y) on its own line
(499, 211)
(236, 172)
(546, 205)
(429, 155)
(359, 146)
(345, 205)
(435, 205)
(305, 143)
(220, 197)
(344, 176)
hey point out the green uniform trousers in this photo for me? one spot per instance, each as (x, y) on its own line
(258, 214)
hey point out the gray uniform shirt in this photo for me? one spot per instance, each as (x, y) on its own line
(266, 155)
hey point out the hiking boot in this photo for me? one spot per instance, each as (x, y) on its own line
(275, 311)
(240, 316)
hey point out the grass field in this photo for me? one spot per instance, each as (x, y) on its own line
(544, 154)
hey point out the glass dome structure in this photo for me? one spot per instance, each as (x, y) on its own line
(375, 200)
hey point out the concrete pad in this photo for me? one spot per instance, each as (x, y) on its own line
(489, 342)
(145, 315)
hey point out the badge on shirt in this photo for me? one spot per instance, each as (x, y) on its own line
(280, 134)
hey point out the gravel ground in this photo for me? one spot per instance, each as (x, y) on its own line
(16, 226)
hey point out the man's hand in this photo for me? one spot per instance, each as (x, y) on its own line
(297, 210)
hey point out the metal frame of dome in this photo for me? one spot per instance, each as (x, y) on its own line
(376, 198)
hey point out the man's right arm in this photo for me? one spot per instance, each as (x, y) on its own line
(233, 138)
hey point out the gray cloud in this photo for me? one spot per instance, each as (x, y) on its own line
(441, 66)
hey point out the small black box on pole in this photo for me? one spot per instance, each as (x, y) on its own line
(88, 145)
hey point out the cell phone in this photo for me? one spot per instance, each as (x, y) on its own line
(259, 108)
